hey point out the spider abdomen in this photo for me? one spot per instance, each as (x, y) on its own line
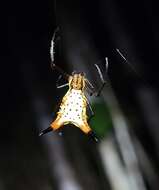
(73, 107)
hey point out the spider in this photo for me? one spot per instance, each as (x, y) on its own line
(74, 104)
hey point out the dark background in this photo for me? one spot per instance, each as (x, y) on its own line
(27, 79)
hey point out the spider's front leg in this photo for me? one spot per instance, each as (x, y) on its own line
(103, 81)
(52, 52)
(60, 85)
(90, 88)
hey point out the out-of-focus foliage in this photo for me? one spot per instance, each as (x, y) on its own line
(101, 122)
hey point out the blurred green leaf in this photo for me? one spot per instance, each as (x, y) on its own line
(101, 123)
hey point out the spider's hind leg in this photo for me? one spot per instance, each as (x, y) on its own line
(91, 112)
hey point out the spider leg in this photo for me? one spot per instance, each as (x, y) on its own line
(52, 52)
(90, 110)
(60, 85)
(101, 77)
(63, 73)
(89, 88)
(139, 76)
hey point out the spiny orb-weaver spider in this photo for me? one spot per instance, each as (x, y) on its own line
(73, 107)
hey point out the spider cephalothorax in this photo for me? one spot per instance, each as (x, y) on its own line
(77, 81)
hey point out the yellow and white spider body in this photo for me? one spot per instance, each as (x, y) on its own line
(73, 107)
